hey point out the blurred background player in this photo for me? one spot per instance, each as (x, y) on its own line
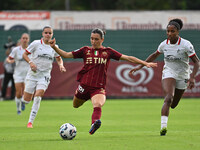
(8, 71)
(20, 71)
(176, 75)
(38, 76)
(92, 76)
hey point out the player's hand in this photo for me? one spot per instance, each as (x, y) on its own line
(62, 68)
(150, 64)
(134, 70)
(10, 61)
(33, 67)
(52, 42)
(191, 83)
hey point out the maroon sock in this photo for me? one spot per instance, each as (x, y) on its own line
(96, 114)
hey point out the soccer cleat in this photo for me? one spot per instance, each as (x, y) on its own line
(29, 125)
(163, 131)
(23, 106)
(96, 125)
(19, 112)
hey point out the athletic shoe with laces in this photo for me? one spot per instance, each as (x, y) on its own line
(96, 125)
(19, 112)
(29, 125)
(23, 106)
(163, 131)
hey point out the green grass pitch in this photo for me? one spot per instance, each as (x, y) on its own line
(126, 125)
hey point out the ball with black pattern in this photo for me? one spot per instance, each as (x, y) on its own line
(67, 131)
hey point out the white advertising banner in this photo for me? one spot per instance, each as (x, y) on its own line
(87, 20)
(122, 20)
(24, 20)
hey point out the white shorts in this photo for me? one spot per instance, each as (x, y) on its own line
(31, 86)
(180, 84)
(18, 79)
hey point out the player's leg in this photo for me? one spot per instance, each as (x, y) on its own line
(40, 90)
(98, 101)
(81, 96)
(13, 90)
(78, 102)
(6, 79)
(177, 96)
(29, 90)
(22, 89)
(18, 96)
(168, 85)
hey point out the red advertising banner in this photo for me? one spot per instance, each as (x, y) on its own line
(26, 15)
(146, 82)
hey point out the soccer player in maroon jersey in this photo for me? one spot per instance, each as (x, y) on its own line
(92, 76)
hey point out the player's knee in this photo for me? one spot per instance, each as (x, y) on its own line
(76, 105)
(169, 99)
(98, 105)
(173, 106)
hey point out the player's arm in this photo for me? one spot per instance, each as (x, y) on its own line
(135, 60)
(150, 58)
(10, 60)
(26, 58)
(195, 60)
(60, 64)
(59, 51)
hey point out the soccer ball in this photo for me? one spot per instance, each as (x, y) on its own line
(67, 131)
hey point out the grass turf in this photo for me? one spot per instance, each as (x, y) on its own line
(126, 125)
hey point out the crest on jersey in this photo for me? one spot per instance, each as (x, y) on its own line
(88, 52)
(104, 53)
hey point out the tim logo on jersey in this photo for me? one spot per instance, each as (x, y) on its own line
(96, 59)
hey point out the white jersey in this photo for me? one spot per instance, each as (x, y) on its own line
(42, 55)
(176, 57)
(22, 66)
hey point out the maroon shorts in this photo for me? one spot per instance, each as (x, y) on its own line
(86, 92)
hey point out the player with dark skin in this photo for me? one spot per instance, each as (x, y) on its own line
(172, 94)
(93, 74)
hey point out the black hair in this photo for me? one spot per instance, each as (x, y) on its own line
(178, 23)
(99, 31)
(46, 27)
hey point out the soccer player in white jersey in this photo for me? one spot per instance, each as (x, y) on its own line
(176, 75)
(20, 71)
(38, 76)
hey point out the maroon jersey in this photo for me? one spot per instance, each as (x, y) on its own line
(96, 61)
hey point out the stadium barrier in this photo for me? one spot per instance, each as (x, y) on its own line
(146, 82)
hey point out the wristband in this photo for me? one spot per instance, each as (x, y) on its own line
(30, 62)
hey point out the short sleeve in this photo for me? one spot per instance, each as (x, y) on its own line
(31, 48)
(115, 54)
(13, 53)
(190, 49)
(79, 53)
(160, 47)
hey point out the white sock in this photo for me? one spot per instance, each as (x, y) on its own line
(35, 108)
(26, 102)
(164, 120)
(18, 103)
